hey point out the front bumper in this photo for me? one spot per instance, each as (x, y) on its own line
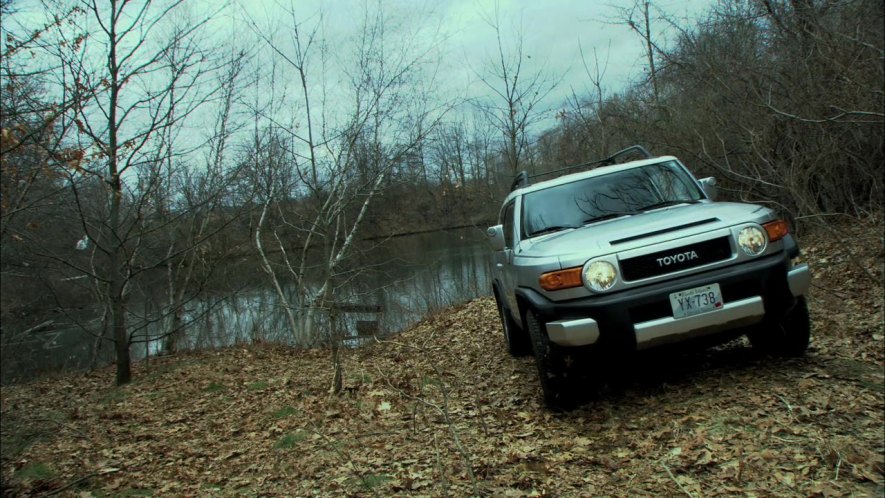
(641, 318)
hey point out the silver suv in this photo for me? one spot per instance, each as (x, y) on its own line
(594, 265)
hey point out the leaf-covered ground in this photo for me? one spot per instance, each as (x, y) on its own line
(442, 410)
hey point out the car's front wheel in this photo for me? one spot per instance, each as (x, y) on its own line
(558, 370)
(786, 336)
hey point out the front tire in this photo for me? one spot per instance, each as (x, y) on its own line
(557, 369)
(788, 336)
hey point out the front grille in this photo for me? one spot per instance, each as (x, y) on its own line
(676, 259)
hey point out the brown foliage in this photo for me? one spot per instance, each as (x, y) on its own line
(443, 401)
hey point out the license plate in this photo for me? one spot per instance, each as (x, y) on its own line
(695, 301)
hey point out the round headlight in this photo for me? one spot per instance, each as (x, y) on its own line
(600, 276)
(752, 240)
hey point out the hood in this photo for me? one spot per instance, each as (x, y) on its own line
(644, 229)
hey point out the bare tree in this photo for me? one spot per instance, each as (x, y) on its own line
(583, 127)
(638, 17)
(203, 195)
(782, 99)
(340, 157)
(643, 29)
(518, 92)
(132, 72)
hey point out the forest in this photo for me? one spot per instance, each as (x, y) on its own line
(150, 153)
(167, 158)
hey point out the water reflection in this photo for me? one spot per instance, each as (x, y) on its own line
(407, 277)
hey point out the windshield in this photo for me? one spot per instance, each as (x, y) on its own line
(607, 196)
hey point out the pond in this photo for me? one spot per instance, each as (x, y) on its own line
(402, 280)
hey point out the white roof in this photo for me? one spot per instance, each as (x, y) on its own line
(598, 171)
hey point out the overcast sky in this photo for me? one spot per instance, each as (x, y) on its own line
(553, 33)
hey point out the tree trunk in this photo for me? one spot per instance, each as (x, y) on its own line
(121, 340)
(265, 264)
(651, 55)
(338, 369)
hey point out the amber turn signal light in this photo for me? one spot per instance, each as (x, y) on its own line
(562, 279)
(777, 229)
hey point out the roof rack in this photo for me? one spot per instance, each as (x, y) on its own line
(522, 178)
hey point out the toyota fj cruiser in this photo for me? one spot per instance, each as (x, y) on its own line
(621, 257)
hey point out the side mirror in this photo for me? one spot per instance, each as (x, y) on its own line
(709, 186)
(496, 237)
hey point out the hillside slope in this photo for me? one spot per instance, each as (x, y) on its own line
(442, 410)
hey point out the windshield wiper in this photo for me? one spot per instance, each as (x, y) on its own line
(554, 228)
(668, 203)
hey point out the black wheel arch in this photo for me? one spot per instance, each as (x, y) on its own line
(521, 303)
